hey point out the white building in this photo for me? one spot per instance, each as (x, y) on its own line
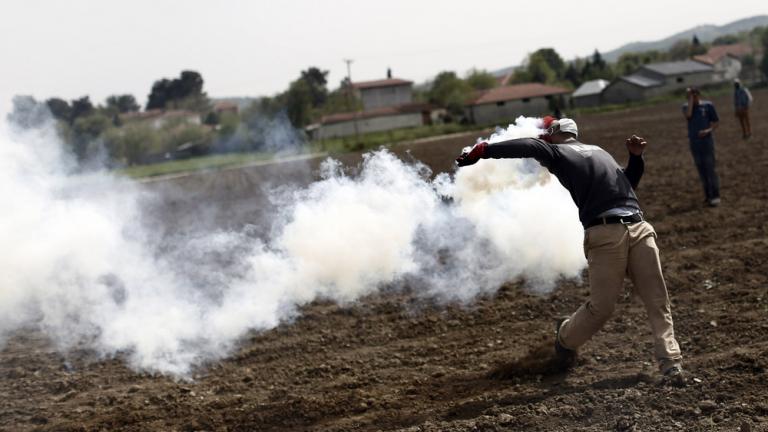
(384, 93)
(387, 105)
(375, 120)
(725, 59)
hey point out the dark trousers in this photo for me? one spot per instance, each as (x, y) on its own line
(703, 151)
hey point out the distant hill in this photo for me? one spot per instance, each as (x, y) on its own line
(705, 33)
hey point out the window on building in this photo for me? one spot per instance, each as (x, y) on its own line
(526, 100)
(500, 103)
(680, 79)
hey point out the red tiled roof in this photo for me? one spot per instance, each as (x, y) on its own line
(717, 52)
(515, 92)
(379, 112)
(389, 82)
(225, 106)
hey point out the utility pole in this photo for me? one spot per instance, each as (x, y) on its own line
(350, 99)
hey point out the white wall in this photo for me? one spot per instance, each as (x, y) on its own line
(727, 68)
(374, 124)
(379, 97)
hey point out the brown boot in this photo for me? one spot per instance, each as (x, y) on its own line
(565, 358)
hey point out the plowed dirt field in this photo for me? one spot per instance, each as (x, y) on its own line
(392, 362)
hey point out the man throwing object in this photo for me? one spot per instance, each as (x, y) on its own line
(618, 241)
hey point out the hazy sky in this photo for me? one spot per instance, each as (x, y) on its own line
(249, 48)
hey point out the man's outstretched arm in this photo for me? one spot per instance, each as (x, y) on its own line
(516, 148)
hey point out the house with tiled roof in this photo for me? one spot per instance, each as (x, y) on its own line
(384, 93)
(725, 59)
(655, 79)
(501, 105)
(387, 105)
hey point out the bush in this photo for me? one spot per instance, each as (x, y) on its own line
(130, 144)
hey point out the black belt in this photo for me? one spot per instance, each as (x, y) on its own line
(637, 217)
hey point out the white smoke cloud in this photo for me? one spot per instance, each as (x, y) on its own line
(80, 265)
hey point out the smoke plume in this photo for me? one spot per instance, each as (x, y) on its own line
(79, 264)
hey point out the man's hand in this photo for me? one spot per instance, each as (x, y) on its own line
(636, 145)
(704, 132)
(471, 155)
(546, 122)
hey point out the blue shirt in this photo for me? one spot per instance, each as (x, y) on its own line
(702, 117)
(741, 98)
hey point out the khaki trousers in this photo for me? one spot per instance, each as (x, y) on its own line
(613, 252)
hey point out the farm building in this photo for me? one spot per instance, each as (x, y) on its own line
(655, 79)
(589, 93)
(504, 104)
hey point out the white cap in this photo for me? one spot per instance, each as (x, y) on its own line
(568, 125)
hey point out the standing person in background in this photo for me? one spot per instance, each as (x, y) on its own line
(742, 99)
(702, 121)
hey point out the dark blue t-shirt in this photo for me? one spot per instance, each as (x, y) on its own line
(702, 116)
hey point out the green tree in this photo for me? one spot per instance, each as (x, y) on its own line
(543, 65)
(60, 109)
(680, 50)
(596, 68)
(552, 59)
(340, 100)
(298, 103)
(449, 91)
(598, 62)
(130, 144)
(228, 123)
(316, 81)
(187, 134)
(185, 92)
(81, 107)
(629, 62)
(726, 39)
(697, 48)
(480, 80)
(122, 104)
(540, 71)
(86, 129)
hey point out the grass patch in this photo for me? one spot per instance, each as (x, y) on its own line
(194, 164)
(378, 139)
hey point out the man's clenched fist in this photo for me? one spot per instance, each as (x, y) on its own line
(470, 155)
(636, 145)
